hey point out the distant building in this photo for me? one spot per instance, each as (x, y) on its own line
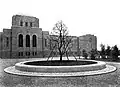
(87, 42)
(26, 39)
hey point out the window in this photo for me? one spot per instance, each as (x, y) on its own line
(34, 41)
(7, 41)
(90, 39)
(45, 42)
(20, 40)
(26, 24)
(20, 54)
(27, 53)
(27, 40)
(21, 23)
(34, 53)
(30, 24)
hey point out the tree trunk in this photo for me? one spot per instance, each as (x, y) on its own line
(60, 57)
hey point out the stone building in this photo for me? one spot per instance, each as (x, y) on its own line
(26, 39)
(87, 42)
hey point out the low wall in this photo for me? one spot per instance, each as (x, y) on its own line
(56, 69)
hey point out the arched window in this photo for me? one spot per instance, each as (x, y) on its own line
(20, 40)
(34, 41)
(27, 40)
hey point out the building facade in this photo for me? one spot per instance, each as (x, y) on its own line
(26, 39)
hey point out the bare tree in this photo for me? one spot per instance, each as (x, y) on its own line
(60, 41)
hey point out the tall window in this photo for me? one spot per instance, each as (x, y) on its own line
(7, 41)
(20, 40)
(27, 53)
(34, 41)
(20, 53)
(30, 24)
(21, 23)
(26, 24)
(34, 53)
(27, 40)
(45, 42)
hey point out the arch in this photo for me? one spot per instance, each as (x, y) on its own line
(34, 41)
(20, 40)
(27, 40)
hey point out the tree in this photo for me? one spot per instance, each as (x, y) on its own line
(93, 53)
(60, 40)
(102, 53)
(115, 52)
(85, 55)
(108, 51)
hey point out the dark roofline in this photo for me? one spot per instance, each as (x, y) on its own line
(24, 16)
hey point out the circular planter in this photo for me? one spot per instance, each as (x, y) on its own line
(27, 68)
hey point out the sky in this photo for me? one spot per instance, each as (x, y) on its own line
(98, 17)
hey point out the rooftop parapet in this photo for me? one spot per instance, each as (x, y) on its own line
(24, 21)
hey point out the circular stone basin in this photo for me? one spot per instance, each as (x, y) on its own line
(60, 67)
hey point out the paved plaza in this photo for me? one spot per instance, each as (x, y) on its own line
(104, 80)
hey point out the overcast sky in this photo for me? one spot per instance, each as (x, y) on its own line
(98, 17)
